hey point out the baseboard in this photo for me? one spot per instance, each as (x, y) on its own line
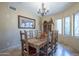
(11, 47)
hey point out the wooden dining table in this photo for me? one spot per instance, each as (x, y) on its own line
(37, 44)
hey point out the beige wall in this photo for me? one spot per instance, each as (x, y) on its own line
(9, 32)
(68, 40)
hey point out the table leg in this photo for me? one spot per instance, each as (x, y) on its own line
(38, 51)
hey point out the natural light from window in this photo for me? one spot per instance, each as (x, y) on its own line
(76, 24)
(59, 25)
(67, 26)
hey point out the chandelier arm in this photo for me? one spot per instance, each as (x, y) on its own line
(43, 11)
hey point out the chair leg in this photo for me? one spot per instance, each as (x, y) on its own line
(55, 48)
(22, 53)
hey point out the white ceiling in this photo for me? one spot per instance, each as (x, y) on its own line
(53, 7)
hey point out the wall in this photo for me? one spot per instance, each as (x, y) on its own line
(9, 32)
(68, 40)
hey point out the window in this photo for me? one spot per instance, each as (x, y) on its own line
(59, 25)
(76, 24)
(67, 26)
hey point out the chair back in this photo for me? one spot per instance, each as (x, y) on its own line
(30, 34)
(24, 43)
(36, 34)
(54, 38)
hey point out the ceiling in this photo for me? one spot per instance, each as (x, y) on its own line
(53, 7)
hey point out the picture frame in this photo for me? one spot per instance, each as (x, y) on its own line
(26, 22)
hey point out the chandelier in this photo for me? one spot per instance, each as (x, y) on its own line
(43, 11)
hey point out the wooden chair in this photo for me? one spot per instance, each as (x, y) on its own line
(54, 38)
(26, 49)
(24, 43)
(46, 49)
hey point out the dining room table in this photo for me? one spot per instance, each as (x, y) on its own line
(37, 43)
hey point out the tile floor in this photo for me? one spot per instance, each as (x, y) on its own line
(63, 50)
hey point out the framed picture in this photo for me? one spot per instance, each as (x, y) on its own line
(25, 22)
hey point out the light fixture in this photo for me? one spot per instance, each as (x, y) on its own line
(43, 11)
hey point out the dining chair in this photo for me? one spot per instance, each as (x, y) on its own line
(54, 38)
(51, 44)
(26, 49)
(46, 49)
(24, 43)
